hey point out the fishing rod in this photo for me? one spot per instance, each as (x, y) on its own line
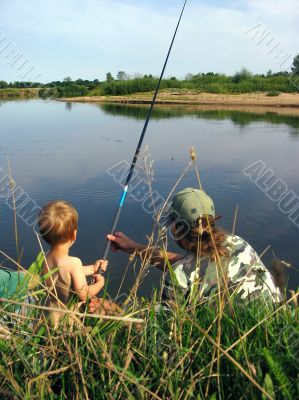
(133, 164)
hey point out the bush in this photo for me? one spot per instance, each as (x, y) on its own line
(273, 93)
(215, 88)
(242, 75)
(72, 90)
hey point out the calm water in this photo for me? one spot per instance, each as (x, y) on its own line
(61, 150)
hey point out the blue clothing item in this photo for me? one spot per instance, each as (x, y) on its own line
(9, 282)
(16, 282)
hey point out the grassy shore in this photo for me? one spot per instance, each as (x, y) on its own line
(187, 97)
(220, 350)
(18, 93)
(286, 103)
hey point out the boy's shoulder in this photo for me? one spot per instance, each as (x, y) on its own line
(73, 262)
(66, 263)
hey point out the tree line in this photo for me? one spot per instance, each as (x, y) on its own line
(242, 81)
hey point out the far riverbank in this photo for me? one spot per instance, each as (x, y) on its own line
(18, 93)
(181, 97)
(283, 103)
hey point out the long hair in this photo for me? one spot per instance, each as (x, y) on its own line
(204, 239)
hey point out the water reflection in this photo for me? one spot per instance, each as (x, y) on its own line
(239, 118)
(68, 106)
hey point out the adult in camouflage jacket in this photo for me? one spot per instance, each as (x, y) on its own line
(213, 260)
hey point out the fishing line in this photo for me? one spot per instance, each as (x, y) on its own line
(134, 161)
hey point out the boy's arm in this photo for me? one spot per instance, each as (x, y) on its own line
(93, 269)
(88, 270)
(80, 285)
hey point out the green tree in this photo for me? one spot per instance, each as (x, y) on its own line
(242, 75)
(67, 79)
(109, 77)
(121, 76)
(3, 85)
(189, 77)
(295, 67)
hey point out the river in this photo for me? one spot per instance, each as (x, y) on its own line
(63, 151)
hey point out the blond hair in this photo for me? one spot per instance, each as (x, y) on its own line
(57, 222)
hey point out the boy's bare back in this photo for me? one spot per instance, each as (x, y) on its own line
(61, 281)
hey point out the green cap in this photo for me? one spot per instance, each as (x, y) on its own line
(190, 204)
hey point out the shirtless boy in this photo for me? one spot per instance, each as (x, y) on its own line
(58, 223)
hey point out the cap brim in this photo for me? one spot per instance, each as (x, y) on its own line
(167, 219)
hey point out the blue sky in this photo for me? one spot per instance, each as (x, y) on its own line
(87, 38)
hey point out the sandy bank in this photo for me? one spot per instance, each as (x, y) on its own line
(290, 100)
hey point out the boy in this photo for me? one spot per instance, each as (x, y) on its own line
(58, 223)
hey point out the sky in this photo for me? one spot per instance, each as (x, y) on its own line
(88, 38)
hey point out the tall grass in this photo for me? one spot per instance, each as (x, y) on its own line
(216, 83)
(206, 83)
(192, 349)
(170, 356)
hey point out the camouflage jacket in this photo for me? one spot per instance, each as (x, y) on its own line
(245, 275)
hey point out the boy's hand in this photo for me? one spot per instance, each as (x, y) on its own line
(99, 278)
(100, 264)
(119, 241)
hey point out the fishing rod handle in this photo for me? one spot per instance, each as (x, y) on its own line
(114, 225)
